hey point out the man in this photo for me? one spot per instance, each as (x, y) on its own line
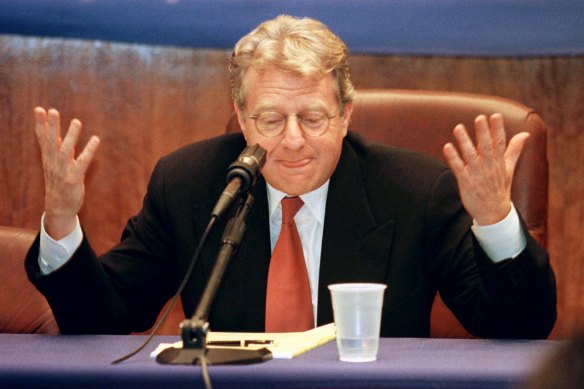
(370, 213)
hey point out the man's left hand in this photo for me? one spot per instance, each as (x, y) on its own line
(484, 173)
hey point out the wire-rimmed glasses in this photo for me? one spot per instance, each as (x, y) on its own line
(312, 123)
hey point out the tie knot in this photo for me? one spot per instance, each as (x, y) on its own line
(290, 206)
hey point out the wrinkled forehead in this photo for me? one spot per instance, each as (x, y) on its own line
(253, 75)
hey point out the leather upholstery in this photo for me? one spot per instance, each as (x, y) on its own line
(22, 308)
(423, 121)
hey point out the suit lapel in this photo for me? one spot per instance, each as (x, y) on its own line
(245, 277)
(355, 246)
(252, 260)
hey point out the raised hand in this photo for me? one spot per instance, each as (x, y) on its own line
(484, 173)
(64, 173)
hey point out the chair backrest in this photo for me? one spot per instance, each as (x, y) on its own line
(23, 310)
(423, 121)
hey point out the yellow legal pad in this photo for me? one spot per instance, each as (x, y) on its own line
(284, 345)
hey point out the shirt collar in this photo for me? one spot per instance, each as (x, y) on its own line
(314, 201)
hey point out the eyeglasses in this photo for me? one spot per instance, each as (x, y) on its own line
(312, 123)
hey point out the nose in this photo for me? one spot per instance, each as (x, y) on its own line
(293, 135)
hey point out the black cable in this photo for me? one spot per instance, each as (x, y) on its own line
(176, 295)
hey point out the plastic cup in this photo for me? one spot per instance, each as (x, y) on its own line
(357, 313)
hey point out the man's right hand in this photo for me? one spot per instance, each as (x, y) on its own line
(64, 173)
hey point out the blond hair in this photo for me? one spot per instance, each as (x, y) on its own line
(300, 45)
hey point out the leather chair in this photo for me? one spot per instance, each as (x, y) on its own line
(417, 120)
(423, 121)
(23, 310)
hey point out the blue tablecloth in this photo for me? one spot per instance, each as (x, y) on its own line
(54, 361)
(399, 27)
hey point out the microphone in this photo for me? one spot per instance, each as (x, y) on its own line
(241, 177)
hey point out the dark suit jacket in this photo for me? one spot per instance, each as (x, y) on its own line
(392, 216)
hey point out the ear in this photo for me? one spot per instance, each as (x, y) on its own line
(240, 117)
(346, 118)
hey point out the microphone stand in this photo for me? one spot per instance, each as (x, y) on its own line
(194, 331)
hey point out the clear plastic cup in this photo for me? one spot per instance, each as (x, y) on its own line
(357, 312)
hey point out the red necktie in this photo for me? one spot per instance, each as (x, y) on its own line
(288, 301)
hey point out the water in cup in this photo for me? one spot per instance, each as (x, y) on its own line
(358, 349)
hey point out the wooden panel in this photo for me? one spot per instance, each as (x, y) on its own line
(144, 101)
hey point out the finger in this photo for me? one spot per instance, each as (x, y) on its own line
(40, 128)
(54, 128)
(468, 152)
(483, 135)
(86, 156)
(453, 160)
(71, 139)
(515, 148)
(497, 126)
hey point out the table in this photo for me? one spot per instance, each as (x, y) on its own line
(58, 361)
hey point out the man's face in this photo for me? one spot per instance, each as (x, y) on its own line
(296, 163)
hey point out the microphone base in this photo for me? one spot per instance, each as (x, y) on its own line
(214, 356)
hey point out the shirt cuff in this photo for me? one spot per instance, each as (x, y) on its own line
(55, 253)
(502, 240)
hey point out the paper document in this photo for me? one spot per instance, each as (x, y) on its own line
(285, 345)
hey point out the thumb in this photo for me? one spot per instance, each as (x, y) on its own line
(515, 148)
